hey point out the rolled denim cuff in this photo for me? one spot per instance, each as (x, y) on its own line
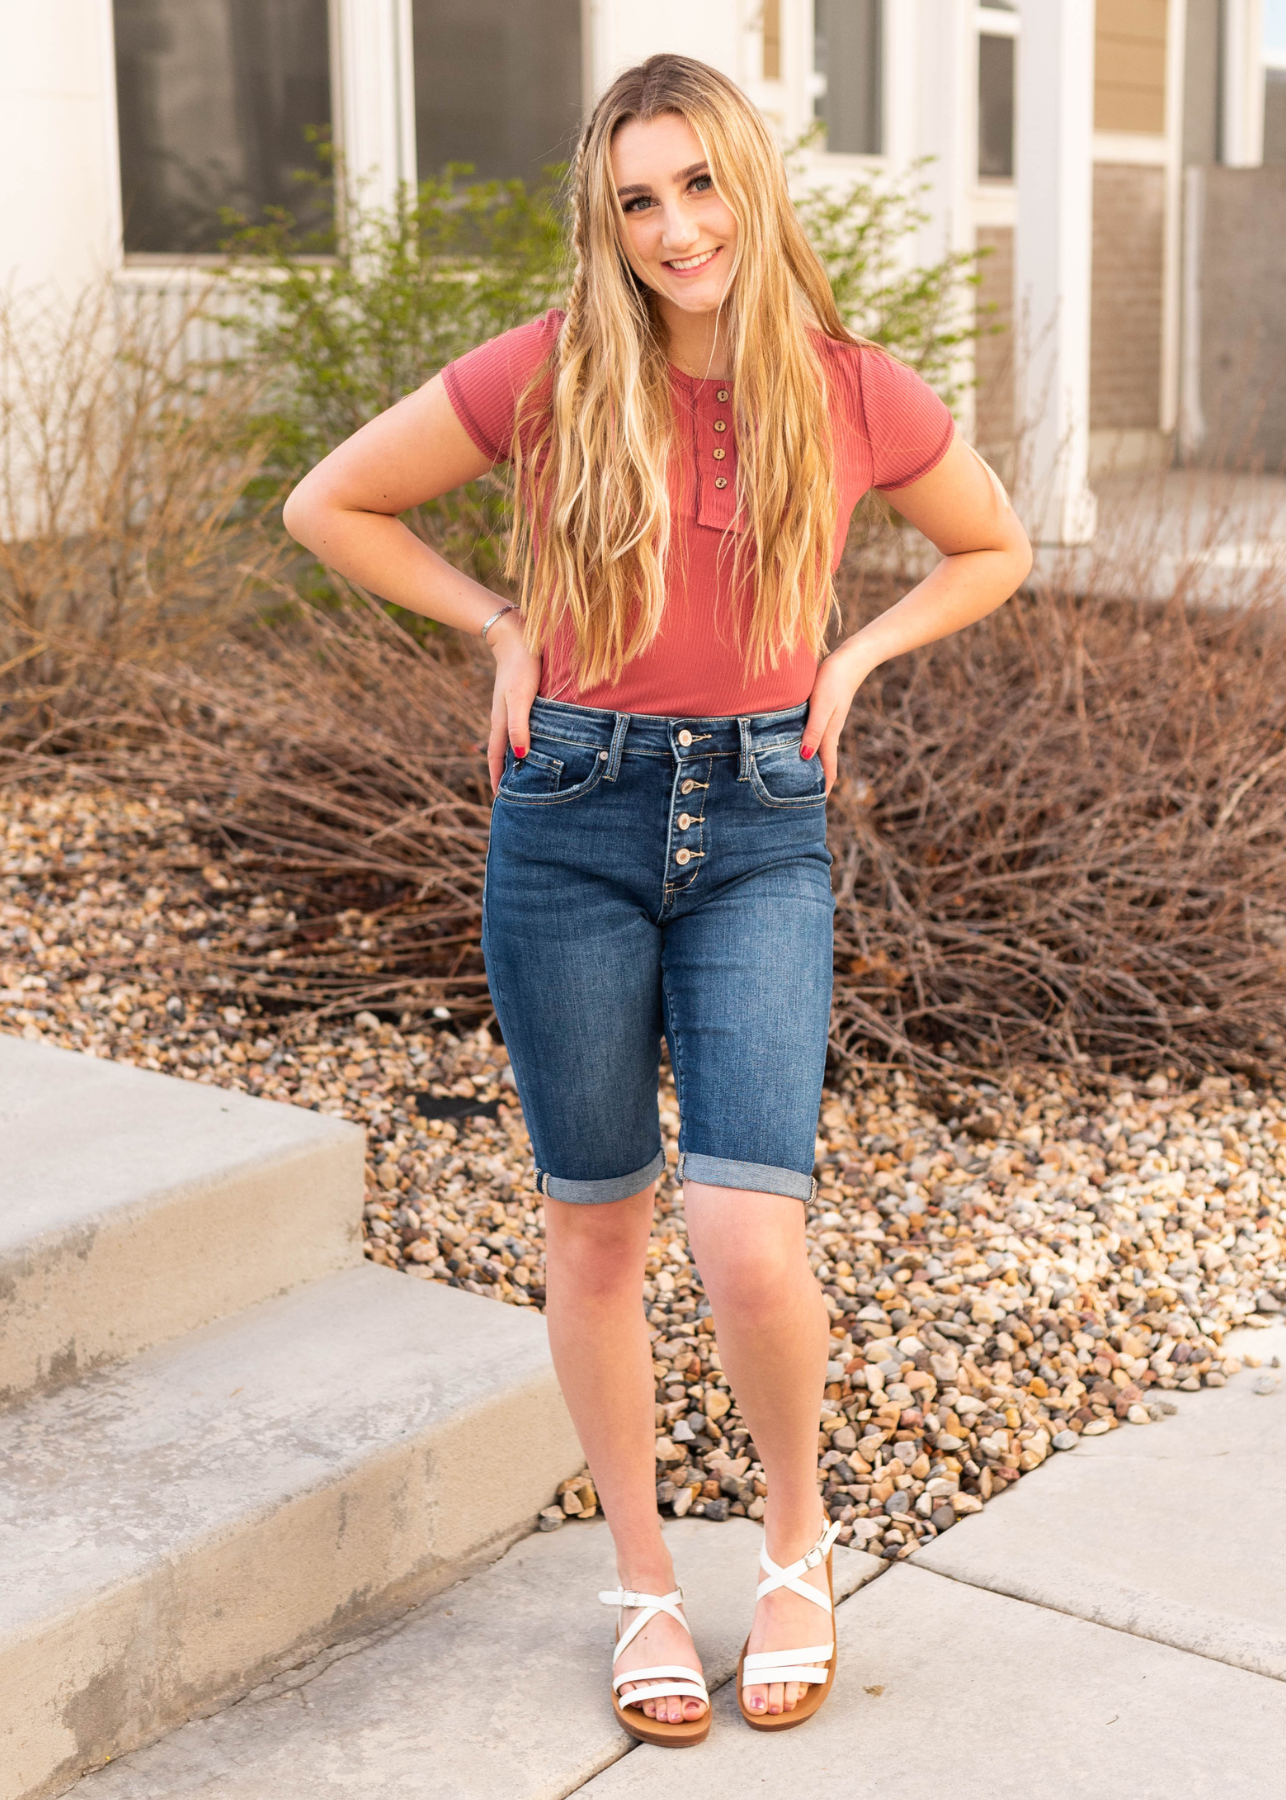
(600, 1193)
(758, 1178)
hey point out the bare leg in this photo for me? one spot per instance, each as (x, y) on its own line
(598, 1335)
(772, 1331)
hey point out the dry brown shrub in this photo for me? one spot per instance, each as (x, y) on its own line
(128, 530)
(1062, 837)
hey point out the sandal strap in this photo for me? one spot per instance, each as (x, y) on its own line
(784, 1671)
(689, 1681)
(809, 1663)
(651, 1605)
(666, 1690)
(790, 1577)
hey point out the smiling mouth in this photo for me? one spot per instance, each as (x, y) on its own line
(687, 265)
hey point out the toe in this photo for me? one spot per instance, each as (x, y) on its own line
(693, 1709)
(756, 1699)
(791, 1695)
(776, 1694)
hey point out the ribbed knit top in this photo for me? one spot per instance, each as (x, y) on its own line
(888, 429)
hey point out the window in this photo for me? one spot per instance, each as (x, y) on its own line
(214, 99)
(497, 84)
(995, 108)
(846, 55)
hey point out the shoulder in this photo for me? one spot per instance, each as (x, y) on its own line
(486, 383)
(882, 399)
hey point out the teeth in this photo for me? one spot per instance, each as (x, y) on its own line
(691, 262)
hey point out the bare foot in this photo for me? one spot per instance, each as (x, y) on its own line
(783, 1621)
(662, 1640)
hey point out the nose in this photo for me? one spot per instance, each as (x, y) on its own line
(678, 231)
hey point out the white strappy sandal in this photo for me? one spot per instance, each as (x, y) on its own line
(668, 1679)
(814, 1664)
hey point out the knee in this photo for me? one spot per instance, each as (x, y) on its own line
(598, 1258)
(750, 1278)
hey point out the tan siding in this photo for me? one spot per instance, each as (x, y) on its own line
(994, 363)
(1126, 297)
(1129, 65)
(772, 39)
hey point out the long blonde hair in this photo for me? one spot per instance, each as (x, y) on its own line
(592, 533)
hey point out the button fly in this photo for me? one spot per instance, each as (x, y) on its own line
(682, 856)
(685, 819)
(685, 738)
(687, 787)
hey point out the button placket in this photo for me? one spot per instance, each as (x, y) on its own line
(685, 856)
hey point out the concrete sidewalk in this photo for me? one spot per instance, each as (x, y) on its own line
(1111, 1630)
(1108, 1631)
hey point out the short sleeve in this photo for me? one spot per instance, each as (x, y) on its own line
(907, 425)
(486, 384)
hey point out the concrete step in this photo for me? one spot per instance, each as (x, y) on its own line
(178, 1528)
(135, 1207)
(496, 1690)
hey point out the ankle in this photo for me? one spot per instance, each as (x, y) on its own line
(646, 1577)
(791, 1534)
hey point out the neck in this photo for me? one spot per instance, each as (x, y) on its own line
(697, 342)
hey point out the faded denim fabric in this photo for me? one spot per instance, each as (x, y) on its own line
(650, 875)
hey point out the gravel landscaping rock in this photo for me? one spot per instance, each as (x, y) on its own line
(1006, 1269)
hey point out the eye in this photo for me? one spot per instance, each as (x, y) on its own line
(702, 184)
(637, 203)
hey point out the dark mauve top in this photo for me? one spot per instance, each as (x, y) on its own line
(888, 428)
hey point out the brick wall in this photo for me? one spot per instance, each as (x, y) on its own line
(994, 365)
(1126, 297)
(1129, 65)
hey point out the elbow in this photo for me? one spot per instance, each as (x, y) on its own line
(296, 513)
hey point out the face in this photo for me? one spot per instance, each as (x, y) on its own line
(679, 236)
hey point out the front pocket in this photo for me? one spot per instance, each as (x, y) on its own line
(782, 777)
(551, 780)
(531, 776)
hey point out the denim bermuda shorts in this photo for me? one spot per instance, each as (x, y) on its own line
(650, 875)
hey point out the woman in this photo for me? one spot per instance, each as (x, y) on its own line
(689, 439)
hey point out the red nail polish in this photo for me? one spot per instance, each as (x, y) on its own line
(805, 752)
(520, 750)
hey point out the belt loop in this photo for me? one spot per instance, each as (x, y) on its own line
(743, 767)
(618, 745)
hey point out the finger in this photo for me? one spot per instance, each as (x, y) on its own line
(496, 743)
(819, 713)
(518, 707)
(830, 755)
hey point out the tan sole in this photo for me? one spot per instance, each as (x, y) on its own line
(809, 1703)
(654, 1731)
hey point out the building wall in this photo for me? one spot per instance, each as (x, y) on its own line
(1129, 65)
(60, 200)
(1242, 306)
(1126, 297)
(994, 356)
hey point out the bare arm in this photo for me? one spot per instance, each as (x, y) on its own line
(345, 511)
(964, 513)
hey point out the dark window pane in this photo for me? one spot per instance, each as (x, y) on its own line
(214, 97)
(846, 55)
(996, 107)
(497, 84)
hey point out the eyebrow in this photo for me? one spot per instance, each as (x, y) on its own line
(644, 187)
